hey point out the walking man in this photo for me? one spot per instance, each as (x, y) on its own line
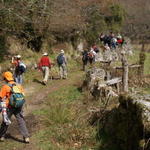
(45, 65)
(91, 56)
(19, 70)
(62, 64)
(84, 59)
(5, 96)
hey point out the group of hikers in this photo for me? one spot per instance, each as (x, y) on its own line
(89, 55)
(12, 94)
(109, 42)
(12, 97)
(45, 64)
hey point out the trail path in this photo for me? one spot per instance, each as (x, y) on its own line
(38, 95)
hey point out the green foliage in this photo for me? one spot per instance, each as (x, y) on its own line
(3, 49)
(118, 13)
(117, 17)
(99, 22)
(96, 24)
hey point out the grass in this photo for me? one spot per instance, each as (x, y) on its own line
(60, 118)
(135, 59)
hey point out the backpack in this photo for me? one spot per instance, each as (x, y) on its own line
(17, 97)
(60, 59)
(85, 56)
(22, 67)
(91, 55)
(96, 49)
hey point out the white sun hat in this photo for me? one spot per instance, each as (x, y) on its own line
(62, 51)
(45, 54)
(18, 56)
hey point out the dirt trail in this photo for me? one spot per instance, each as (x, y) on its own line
(38, 97)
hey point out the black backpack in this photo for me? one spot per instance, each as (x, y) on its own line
(21, 68)
(84, 56)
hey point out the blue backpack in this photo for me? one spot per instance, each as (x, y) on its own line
(17, 97)
(60, 59)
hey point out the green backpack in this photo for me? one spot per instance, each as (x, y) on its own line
(17, 97)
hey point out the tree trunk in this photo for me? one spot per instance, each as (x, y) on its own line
(142, 58)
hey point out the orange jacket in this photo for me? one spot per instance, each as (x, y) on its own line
(5, 92)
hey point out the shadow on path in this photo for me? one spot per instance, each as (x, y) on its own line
(38, 81)
(8, 136)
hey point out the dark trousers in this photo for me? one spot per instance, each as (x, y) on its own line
(84, 63)
(18, 113)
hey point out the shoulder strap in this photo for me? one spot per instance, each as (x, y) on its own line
(22, 64)
(11, 85)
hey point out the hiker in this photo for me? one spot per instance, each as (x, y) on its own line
(109, 38)
(91, 56)
(101, 37)
(120, 40)
(45, 65)
(62, 64)
(84, 58)
(107, 48)
(13, 106)
(113, 43)
(105, 39)
(95, 48)
(19, 69)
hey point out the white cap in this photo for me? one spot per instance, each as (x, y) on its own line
(18, 56)
(45, 54)
(62, 51)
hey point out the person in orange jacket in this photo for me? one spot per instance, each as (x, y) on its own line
(5, 94)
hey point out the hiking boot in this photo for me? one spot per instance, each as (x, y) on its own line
(26, 140)
(2, 139)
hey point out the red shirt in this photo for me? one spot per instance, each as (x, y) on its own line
(45, 61)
